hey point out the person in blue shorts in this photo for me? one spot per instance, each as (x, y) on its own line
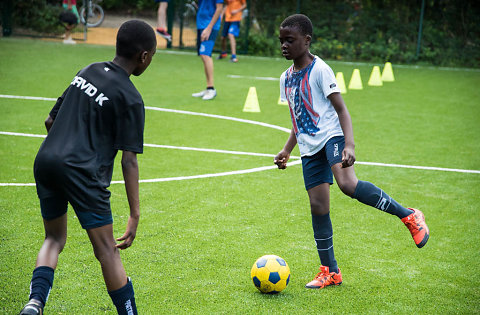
(208, 25)
(231, 27)
(322, 128)
(162, 19)
(99, 113)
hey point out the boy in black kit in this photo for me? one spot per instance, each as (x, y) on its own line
(100, 113)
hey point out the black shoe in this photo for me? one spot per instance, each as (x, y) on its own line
(33, 307)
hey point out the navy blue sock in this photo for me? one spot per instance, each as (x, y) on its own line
(323, 233)
(124, 299)
(42, 281)
(371, 195)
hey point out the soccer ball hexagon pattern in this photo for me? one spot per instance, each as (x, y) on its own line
(270, 274)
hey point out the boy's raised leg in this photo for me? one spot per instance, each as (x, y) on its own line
(371, 195)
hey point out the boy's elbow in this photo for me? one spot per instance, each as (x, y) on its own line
(129, 160)
(48, 122)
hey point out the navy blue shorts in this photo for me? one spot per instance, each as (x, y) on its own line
(55, 207)
(231, 28)
(206, 47)
(317, 169)
(57, 186)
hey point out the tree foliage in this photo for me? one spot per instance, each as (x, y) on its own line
(381, 30)
(365, 30)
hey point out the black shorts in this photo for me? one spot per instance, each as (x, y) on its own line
(317, 169)
(68, 17)
(57, 186)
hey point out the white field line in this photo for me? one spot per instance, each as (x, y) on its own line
(169, 110)
(234, 76)
(162, 146)
(429, 168)
(6, 133)
(35, 98)
(168, 179)
(246, 171)
(356, 63)
(253, 122)
(212, 150)
(217, 151)
(251, 170)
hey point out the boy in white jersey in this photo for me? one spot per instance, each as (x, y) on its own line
(322, 127)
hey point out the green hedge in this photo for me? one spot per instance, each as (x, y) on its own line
(39, 16)
(378, 30)
(354, 30)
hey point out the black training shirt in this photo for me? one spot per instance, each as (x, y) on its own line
(100, 113)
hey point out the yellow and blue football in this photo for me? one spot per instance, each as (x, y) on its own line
(270, 274)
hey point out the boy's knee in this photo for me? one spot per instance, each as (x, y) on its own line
(319, 207)
(58, 241)
(104, 254)
(205, 58)
(347, 187)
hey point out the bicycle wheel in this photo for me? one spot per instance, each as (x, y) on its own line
(95, 15)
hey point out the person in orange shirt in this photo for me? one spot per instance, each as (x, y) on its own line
(231, 26)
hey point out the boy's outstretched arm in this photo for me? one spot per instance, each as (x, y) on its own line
(130, 175)
(348, 154)
(282, 157)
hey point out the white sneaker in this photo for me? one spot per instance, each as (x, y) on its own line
(199, 94)
(69, 41)
(209, 95)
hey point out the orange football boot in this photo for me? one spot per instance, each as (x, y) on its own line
(325, 278)
(415, 222)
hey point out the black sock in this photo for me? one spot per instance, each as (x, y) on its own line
(210, 88)
(124, 299)
(323, 233)
(41, 284)
(371, 195)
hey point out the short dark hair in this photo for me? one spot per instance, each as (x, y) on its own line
(302, 22)
(135, 36)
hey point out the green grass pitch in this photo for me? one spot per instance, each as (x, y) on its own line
(198, 238)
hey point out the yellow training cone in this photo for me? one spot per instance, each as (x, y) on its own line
(375, 77)
(280, 102)
(355, 81)
(341, 83)
(251, 103)
(387, 74)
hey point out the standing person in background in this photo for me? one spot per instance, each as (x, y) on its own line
(231, 27)
(208, 25)
(162, 19)
(71, 18)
